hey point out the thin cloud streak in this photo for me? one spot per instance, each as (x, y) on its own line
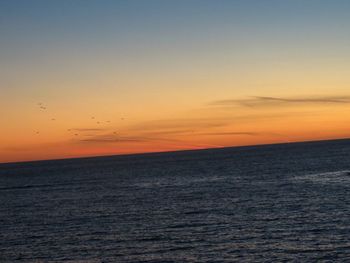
(276, 101)
(165, 130)
(170, 124)
(110, 139)
(231, 133)
(88, 129)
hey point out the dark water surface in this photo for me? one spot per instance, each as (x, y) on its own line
(264, 204)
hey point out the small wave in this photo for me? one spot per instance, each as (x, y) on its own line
(179, 182)
(342, 176)
(25, 187)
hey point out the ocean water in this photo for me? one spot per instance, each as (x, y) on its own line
(271, 203)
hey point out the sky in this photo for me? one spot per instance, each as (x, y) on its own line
(87, 78)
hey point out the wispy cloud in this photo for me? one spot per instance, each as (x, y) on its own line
(88, 129)
(179, 124)
(164, 130)
(139, 139)
(168, 132)
(112, 139)
(177, 131)
(230, 133)
(256, 101)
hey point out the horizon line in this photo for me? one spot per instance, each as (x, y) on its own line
(171, 151)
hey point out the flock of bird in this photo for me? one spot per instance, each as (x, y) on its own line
(42, 107)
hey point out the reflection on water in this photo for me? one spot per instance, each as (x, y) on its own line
(268, 203)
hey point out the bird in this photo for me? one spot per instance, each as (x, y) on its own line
(53, 119)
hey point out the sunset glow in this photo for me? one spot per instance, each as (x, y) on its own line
(87, 78)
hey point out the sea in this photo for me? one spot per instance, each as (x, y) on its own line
(270, 203)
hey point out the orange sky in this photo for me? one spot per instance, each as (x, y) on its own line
(144, 80)
(252, 120)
